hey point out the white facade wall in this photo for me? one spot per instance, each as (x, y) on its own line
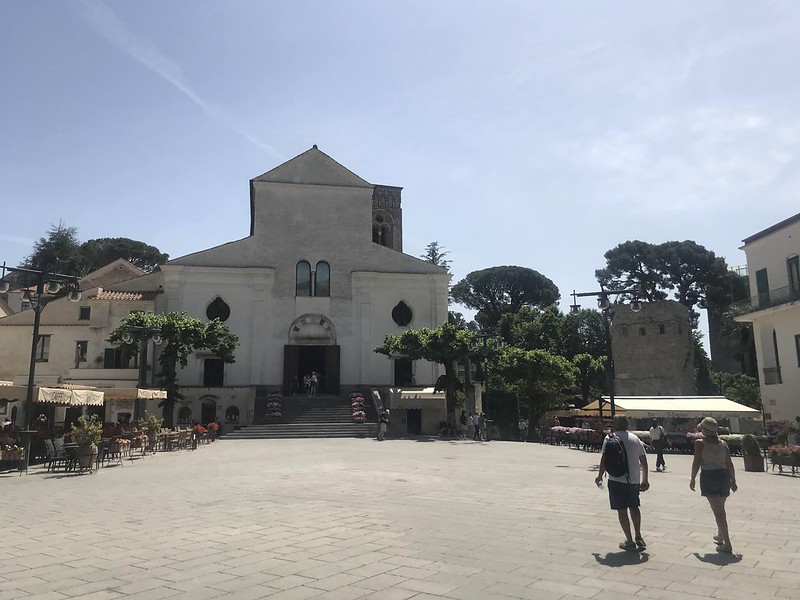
(776, 328)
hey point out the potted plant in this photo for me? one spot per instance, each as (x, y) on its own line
(751, 453)
(151, 425)
(86, 433)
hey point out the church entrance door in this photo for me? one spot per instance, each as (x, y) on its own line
(299, 361)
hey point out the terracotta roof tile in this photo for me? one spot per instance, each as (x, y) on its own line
(109, 295)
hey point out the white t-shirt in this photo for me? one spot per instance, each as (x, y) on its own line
(655, 433)
(634, 448)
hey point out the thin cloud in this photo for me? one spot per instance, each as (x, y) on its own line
(106, 22)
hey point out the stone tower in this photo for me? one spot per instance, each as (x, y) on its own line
(652, 350)
(387, 217)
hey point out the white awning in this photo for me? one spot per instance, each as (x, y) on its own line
(675, 407)
(70, 397)
(64, 397)
(133, 394)
(424, 398)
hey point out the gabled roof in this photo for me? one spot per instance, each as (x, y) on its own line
(313, 167)
(772, 229)
(114, 272)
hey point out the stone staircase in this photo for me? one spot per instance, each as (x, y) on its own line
(304, 417)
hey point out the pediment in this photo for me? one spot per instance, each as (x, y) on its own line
(313, 167)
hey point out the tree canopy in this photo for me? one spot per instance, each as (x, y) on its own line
(435, 254)
(496, 291)
(446, 345)
(60, 251)
(650, 271)
(102, 251)
(182, 335)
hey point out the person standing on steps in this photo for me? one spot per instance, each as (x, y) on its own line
(712, 458)
(314, 382)
(383, 424)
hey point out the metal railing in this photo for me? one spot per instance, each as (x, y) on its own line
(776, 297)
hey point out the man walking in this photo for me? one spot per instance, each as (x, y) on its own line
(476, 424)
(625, 460)
(659, 438)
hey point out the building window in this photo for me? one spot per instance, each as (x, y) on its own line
(218, 309)
(401, 314)
(662, 329)
(322, 279)
(793, 267)
(25, 305)
(81, 350)
(232, 414)
(43, 348)
(213, 372)
(762, 288)
(642, 331)
(303, 281)
(797, 348)
(85, 313)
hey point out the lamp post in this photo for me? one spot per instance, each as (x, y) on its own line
(140, 336)
(48, 284)
(484, 345)
(605, 310)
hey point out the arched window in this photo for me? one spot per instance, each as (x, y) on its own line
(401, 314)
(218, 309)
(322, 279)
(662, 329)
(303, 284)
(184, 414)
(642, 331)
(232, 414)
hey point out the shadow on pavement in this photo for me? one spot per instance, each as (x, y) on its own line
(718, 559)
(621, 559)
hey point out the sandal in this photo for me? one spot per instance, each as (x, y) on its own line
(718, 540)
(627, 545)
(640, 544)
(725, 548)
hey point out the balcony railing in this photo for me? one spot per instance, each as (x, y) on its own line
(772, 376)
(769, 299)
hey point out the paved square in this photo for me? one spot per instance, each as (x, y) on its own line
(349, 518)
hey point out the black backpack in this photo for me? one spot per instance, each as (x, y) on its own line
(615, 457)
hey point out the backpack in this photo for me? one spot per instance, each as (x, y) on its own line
(615, 457)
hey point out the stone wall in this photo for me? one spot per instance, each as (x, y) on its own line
(652, 350)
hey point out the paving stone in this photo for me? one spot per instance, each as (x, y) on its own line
(349, 519)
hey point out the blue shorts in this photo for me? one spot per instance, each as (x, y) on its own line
(623, 495)
(715, 482)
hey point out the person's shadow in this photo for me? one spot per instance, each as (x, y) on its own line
(718, 558)
(621, 559)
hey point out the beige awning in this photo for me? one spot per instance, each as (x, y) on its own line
(133, 394)
(676, 407)
(425, 399)
(69, 397)
(61, 396)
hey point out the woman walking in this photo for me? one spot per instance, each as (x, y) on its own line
(712, 458)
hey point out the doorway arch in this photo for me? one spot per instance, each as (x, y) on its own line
(311, 348)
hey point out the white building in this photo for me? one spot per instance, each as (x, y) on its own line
(316, 286)
(773, 268)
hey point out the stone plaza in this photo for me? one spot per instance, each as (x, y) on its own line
(413, 518)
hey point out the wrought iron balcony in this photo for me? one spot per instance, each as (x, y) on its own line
(772, 298)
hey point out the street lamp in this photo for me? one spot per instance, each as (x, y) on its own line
(48, 284)
(606, 311)
(484, 345)
(140, 335)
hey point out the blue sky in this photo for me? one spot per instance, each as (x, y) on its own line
(524, 133)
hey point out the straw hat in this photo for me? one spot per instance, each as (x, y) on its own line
(709, 425)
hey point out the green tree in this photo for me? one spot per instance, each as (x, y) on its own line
(447, 345)
(738, 387)
(496, 291)
(182, 336)
(102, 251)
(702, 366)
(589, 375)
(58, 252)
(634, 266)
(541, 380)
(435, 254)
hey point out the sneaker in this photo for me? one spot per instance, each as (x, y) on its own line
(627, 545)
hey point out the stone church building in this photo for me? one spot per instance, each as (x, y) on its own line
(317, 284)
